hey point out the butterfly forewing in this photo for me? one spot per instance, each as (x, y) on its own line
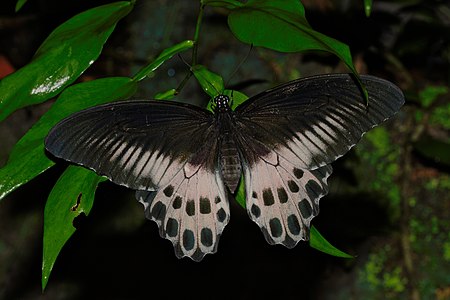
(313, 121)
(139, 144)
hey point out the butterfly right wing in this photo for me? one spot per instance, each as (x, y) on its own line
(155, 145)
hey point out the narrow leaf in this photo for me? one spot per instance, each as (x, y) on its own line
(66, 53)
(167, 54)
(71, 196)
(28, 159)
(367, 7)
(167, 95)
(19, 4)
(317, 241)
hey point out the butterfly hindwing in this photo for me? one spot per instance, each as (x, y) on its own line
(282, 199)
(190, 212)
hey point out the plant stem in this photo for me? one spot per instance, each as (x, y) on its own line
(194, 50)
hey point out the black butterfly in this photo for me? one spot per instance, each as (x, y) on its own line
(281, 140)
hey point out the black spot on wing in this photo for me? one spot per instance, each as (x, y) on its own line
(205, 205)
(168, 191)
(188, 240)
(293, 224)
(172, 227)
(255, 210)
(282, 195)
(176, 204)
(268, 197)
(276, 229)
(293, 186)
(206, 237)
(298, 173)
(305, 208)
(158, 211)
(221, 215)
(190, 208)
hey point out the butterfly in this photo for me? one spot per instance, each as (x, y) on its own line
(186, 162)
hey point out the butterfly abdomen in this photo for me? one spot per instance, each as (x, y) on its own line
(230, 162)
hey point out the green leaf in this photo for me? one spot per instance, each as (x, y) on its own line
(28, 159)
(282, 26)
(165, 55)
(167, 95)
(230, 4)
(210, 82)
(431, 93)
(19, 4)
(66, 53)
(240, 194)
(367, 7)
(317, 241)
(71, 196)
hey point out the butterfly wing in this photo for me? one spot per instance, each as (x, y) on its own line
(292, 133)
(155, 145)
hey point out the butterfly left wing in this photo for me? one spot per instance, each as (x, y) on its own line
(289, 135)
(149, 145)
(190, 212)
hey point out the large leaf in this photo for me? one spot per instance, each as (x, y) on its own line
(71, 196)
(28, 159)
(67, 52)
(282, 26)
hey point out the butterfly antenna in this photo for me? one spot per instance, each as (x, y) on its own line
(239, 65)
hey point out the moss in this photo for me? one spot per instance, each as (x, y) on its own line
(441, 116)
(446, 250)
(382, 156)
(394, 281)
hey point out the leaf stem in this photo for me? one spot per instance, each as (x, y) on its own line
(194, 50)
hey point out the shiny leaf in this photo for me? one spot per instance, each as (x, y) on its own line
(28, 159)
(71, 196)
(210, 82)
(282, 26)
(66, 53)
(167, 95)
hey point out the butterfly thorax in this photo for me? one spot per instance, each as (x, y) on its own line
(230, 162)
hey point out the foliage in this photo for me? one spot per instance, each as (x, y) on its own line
(72, 47)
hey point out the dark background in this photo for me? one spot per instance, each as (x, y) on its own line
(388, 204)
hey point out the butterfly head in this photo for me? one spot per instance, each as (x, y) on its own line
(222, 103)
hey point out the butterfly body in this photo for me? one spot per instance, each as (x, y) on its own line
(184, 160)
